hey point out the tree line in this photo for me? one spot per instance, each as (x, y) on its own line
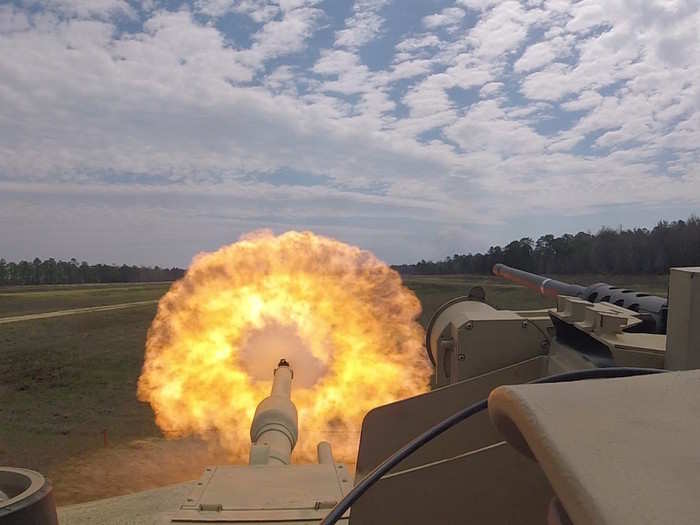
(609, 251)
(51, 271)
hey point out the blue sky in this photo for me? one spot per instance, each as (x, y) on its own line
(144, 132)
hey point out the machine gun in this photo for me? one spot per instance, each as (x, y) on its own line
(653, 310)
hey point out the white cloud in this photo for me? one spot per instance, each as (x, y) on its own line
(102, 9)
(529, 110)
(285, 36)
(470, 72)
(491, 89)
(410, 68)
(552, 83)
(363, 26)
(487, 127)
(585, 100)
(586, 15)
(180, 119)
(429, 96)
(282, 78)
(12, 20)
(501, 30)
(629, 49)
(260, 11)
(418, 43)
(449, 16)
(351, 76)
(542, 53)
(478, 5)
(163, 103)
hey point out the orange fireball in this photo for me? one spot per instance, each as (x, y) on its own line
(341, 317)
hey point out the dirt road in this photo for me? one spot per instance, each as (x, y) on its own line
(73, 311)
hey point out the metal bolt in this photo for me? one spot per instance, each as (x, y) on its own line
(524, 324)
(469, 325)
(461, 357)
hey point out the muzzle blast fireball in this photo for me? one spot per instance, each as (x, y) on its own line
(339, 314)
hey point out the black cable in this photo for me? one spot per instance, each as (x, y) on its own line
(397, 457)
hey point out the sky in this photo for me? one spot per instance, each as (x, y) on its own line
(143, 132)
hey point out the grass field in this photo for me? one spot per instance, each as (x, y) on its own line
(36, 299)
(67, 383)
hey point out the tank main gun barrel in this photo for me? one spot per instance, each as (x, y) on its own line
(269, 489)
(653, 310)
(274, 430)
(543, 285)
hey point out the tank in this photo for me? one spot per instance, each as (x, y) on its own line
(588, 412)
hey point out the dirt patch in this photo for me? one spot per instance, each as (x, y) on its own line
(131, 467)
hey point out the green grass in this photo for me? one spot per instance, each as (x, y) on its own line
(36, 299)
(65, 380)
(433, 291)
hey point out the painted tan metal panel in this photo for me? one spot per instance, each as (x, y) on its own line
(491, 344)
(148, 507)
(683, 343)
(616, 451)
(389, 427)
(496, 485)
